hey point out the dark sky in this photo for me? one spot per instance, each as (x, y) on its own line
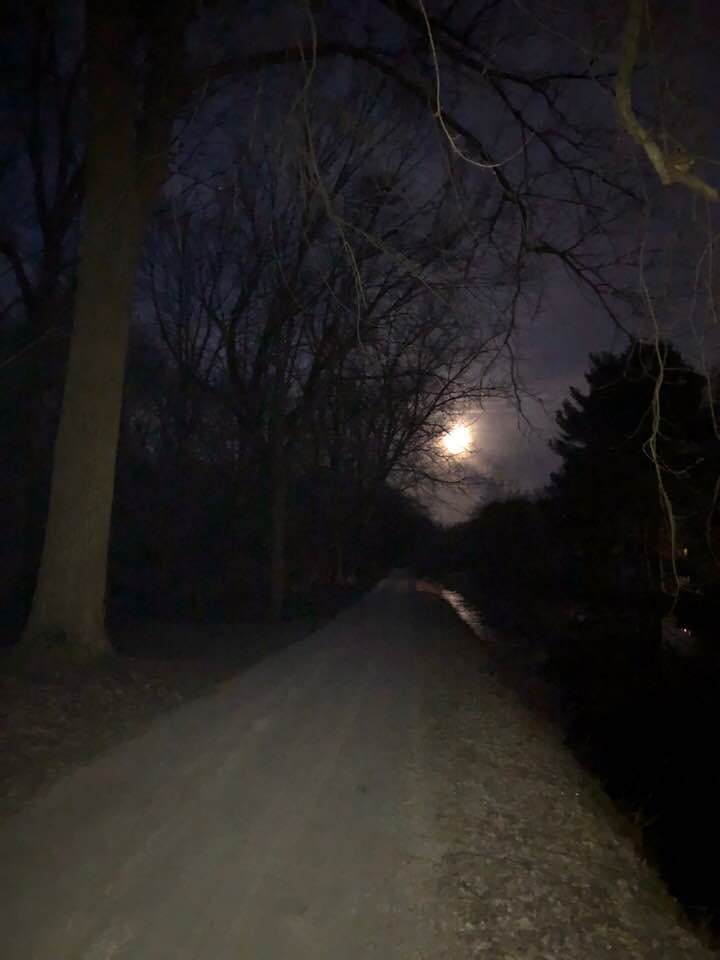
(554, 355)
(553, 348)
(511, 444)
(676, 233)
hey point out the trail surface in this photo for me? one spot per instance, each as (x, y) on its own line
(372, 792)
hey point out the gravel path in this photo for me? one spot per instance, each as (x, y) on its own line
(372, 792)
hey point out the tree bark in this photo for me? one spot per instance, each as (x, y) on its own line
(278, 575)
(668, 168)
(278, 474)
(70, 594)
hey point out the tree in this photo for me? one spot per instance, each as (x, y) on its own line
(42, 169)
(671, 153)
(141, 72)
(339, 366)
(128, 143)
(632, 449)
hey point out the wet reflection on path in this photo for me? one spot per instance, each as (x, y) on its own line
(466, 612)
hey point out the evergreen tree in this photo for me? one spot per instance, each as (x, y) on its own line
(631, 449)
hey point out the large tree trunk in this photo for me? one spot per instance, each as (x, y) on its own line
(278, 574)
(70, 593)
(278, 475)
(338, 556)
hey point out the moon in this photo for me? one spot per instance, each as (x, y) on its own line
(458, 440)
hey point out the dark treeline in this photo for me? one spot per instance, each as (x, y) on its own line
(192, 526)
(261, 258)
(190, 539)
(609, 580)
(301, 336)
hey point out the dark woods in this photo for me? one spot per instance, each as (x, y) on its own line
(297, 344)
(610, 583)
(266, 256)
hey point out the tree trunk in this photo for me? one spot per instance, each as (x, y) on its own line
(278, 505)
(70, 594)
(39, 393)
(277, 546)
(339, 556)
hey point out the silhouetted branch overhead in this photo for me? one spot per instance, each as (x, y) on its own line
(671, 166)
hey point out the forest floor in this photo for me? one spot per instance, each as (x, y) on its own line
(375, 791)
(57, 716)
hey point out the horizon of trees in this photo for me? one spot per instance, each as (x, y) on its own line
(129, 117)
(284, 386)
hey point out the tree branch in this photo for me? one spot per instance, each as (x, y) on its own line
(670, 170)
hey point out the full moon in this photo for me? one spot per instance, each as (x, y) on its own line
(458, 440)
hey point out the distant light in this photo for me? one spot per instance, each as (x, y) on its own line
(458, 440)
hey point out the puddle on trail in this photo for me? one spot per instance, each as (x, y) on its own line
(469, 614)
(466, 612)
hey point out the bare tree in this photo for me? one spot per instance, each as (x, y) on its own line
(551, 195)
(321, 255)
(669, 151)
(664, 62)
(128, 143)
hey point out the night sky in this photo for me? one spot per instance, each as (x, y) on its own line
(552, 346)
(511, 447)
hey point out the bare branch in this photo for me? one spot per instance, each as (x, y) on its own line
(669, 168)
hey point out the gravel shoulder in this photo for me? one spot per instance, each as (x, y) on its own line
(537, 864)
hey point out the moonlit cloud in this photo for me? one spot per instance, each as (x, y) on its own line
(458, 440)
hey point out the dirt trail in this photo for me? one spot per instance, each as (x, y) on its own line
(320, 806)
